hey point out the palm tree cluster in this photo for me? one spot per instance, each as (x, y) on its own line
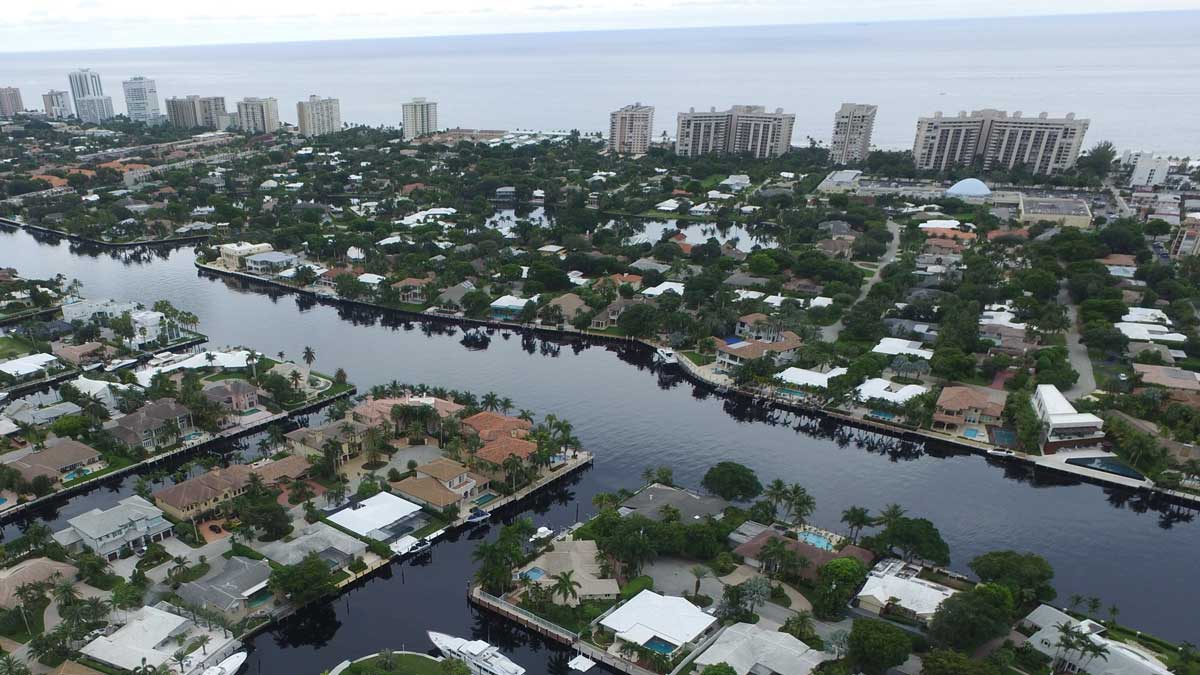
(794, 501)
(1075, 650)
(498, 559)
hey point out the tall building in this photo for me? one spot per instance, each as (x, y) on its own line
(10, 101)
(57, 104)
(211, 113)
(184, 112)
(141, 100)
(420, 118)
(1042, 144)
(258, 115)
(94, 109)
(743, 129)
(1149, 171)
(630, 128)
(852, 127)
(319, 116)
(84, 83)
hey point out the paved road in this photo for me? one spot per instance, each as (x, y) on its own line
(830, 333)
(1077, 351)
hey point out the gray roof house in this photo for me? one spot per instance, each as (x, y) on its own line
(145, 426)
(336, 548)
(230, 590)
(455, 293)
(133, 522)
(647, 264)
(743, 280)
(649, 501)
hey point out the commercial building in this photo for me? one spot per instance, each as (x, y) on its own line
(420, 118)
(1062, 425)
(992, 138)
(57, 105)
(258, 115)
(94, 109)
(84, 83)
(852, 127)
(1063, 212)
(10, 101)
(319, 116)
(141, 100)
(1149, 171)
(630, 128)
(743, 129)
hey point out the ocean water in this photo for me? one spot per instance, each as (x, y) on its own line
(1133, 75)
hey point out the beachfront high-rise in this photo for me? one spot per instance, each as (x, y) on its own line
(197, 111)
(212, 113)
(141, 100)
(420, 118)
(319, 116)
(10, 101)
(258, 115)
(743, 129)
(852, 127)
(94, 109)
(630, 128)
(84, 82)
(57, 104)
(1042, 144)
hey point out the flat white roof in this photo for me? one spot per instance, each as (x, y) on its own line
(1053, 402)
(1149, 332)
(136, 640)
(650, 615)
(894, 346)
(230, 359)
(1146, 315)
(877, 387)
(664, 287)
(810, 378)
(375, 513)
(27, 365)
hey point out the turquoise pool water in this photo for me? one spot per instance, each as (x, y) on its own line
(3, 500)
(657, 644)
(77, 473)
(484, 499)
(883, 415)
(1108, 465)
(971, 433)
(192, 436)
(534, 573)
(818, 540)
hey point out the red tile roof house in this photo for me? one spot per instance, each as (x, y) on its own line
(441, 483)
(492, 455)
(959, 406)
(490, 426)
(815, 555)
(412, 290)
(59, 459)
(731, 355)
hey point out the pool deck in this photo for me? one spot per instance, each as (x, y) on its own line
(1058, 462)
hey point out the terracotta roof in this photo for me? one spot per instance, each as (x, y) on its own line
(291, 467)
(948, 233)
(411, 281)
(490, 426)
(969, 398)
(205, 487)
(499, 450)
(753, 349)
(816, 556)
(428, 490)
(443, 469)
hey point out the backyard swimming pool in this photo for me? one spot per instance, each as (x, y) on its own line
(1108, 465)
(815, 539)
(657, 644)
(534, 573)
(77, 473)
(484, 499)
(970, 433)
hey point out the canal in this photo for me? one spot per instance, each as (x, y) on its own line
(1130, 551)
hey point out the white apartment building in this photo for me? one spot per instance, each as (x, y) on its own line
(198, 111)
(630, 128)
(258, 115)
(84, 83)
(420, 118)
(94, 109)
(1149, 171)
(57, 104)
(10, 101)
(743, 129)
(319, 116)
(141, 100)
(852, 127)
(211, 113)
(1043, 144)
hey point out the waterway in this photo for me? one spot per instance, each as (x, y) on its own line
(1126, 549)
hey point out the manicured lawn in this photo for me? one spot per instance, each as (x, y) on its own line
(12, 347)
(635, 586)
(408, 664)
(434, 525)
(192, 573)
(575, 619)
(34, 615)
(698, 358)
(115, 463)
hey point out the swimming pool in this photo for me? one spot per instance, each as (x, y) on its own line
(970, 433)
(534, 573)
(883, 415)
(77, 473)
(815, 539)
(1108, 465)
(657, 644)
(484, 499)
(191, 437)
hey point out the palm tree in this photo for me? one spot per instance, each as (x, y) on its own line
(513, 467)
(890, 515)
(856, 518)
(605, 500)
(11, 666)
(1113, 612)
(700, 572)
(505, 404)
(309, 356)
(180, 657)
(1076, 601)
(490, 401)
(295, 378)
(800, 504)
(526, 415)
(65, 593)
(565, 585)
(775, 493)
(252, 361)
(203, 641)
(1094, 605)
(772, 555)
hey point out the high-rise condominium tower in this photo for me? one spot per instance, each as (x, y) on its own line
(57, 104)
(84, 83)
(1042, 144)
(319, 116)
(852, 126)
(10, 101)
(94, 109)
(141, 100)
(630, 128)
(258, 115)
(420, 118)
(743, 129)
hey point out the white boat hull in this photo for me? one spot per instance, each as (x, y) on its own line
(229, 666)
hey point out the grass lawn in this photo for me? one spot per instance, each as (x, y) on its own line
(12, 347)
(434, 525)
(408, 664)
(115, 463)
(698, 358)
(611, 330)
(34, 616)
(192, 573)
(575, 619)
(635, 586)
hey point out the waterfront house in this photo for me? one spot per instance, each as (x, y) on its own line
(377, 412)
(817, 555)
(1120, 657)
(650, 500)
(570, 304)
(96, 310)
(233, 255)
(148, 637)
(894, 587)
(384, 516)
(240, 585)
(150, 327)
(961, 407)
(28, 367)
(509, 307)
(84, 354)
(607, 317)
(757, 326)
(155, 425)
(751, 650)
(347, 434)
(66, 458)
(234, 394)
(412, 290)
(733, 352)
(453, 296)
(490, 426)
(662, 623)
(494, 453)
(131, 524)
(441, 483)
(1062, 426)
(269, 262)
(579, 557)
(336, 548)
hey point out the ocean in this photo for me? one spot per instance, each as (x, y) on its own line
(1133, 75)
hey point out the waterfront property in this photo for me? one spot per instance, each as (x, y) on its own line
(968, 410)
(196, 496)
(155, 425)
(1120, 658)
(751, 650)
(1063, 427)
(651, 499)
(732, 352)
(132, 523)
(384, 516)
(345, 433)
(816, 548)
(150, 636)
(490, 426)
(660, 623)
(576, 556)
(240, 587)
(336, 548)
(64, 459)
(894, 587)
(441, 483)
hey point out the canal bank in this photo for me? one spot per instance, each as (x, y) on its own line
(635, 414)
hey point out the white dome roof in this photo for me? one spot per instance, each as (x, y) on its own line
(968, 187)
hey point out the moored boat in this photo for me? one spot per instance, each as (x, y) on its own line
(481, 657)
(229, 666)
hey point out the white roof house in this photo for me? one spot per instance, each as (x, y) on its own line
(896, 579)
(1148, 332)
(749, 650)
(371, 279)
(1000, 315)
(668, 205)
(355, 253)
(650, 615)
(27, 365)
(665, 287)
(226, 359)
(1060, 417)
(737, 182)
(375, 513)
(893, 346)
(1146, 315)
(802, 377)
(146, 635)
(879, 388)
(512, 302)
(1120, 658)
(940, 223)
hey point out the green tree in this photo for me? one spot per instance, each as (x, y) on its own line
(970, 618)
(1028, 576)
(304, 581)
(732, 481)
(949, 662)
(837, 580)
(917, 538)
(877, 645)
(639, 321)
(718, 669)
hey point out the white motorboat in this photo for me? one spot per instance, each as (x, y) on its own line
(478, 516)
(1001, 453)
(665, 355)
(421, 546)
(229, 666)
(481, 657)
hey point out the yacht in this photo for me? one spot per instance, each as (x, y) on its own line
(481, 657)
(229, 666)
(665, 355)
(996, 452)
(478, 515)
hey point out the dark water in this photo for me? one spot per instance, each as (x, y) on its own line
(1136, 554)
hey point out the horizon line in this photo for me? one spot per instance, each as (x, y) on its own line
(442, 36)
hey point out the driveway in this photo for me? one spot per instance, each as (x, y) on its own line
(830, 333)
(1077, 351)
(673, 576)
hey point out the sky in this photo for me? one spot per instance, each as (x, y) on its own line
(60, 25)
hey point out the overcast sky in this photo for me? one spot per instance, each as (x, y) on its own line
(41, 25)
